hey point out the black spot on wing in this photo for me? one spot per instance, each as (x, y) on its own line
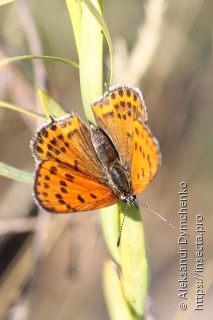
(93, 196)
(79, 197)
(39, 149)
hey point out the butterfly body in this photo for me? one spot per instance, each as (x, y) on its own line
(81, 168)
(110, 161)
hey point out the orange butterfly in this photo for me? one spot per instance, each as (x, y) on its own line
(84, 169)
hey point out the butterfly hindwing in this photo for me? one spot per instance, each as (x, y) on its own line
(62, 189)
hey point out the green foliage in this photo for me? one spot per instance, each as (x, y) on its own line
(99, 17)
(4, 62)
(50, 106)
(90, 60)
(11, 106)
(15, 174)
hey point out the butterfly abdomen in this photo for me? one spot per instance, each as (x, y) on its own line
(119, 179)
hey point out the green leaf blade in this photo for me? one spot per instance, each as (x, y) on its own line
(6, 61)
(75, 12)
(99, 17)
(113, 292)
(15, 174)
(50, 106)
(11, 106)
(91, 60)
(134, 262)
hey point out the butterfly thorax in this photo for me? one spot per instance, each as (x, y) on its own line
(108, 156)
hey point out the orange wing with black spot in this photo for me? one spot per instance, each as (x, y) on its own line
(62, 189)
(145, 156)
(69, 176)
(67, 140)
(115, 113)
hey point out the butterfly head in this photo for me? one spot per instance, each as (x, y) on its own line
(129, 199)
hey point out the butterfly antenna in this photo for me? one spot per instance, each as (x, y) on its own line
(157, 214)
(119, 236)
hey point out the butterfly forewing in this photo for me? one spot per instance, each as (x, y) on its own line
(68, 142)
(115, 113)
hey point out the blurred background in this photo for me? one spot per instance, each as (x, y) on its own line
(51, 266)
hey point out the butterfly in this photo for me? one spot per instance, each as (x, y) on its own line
(81, 168)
